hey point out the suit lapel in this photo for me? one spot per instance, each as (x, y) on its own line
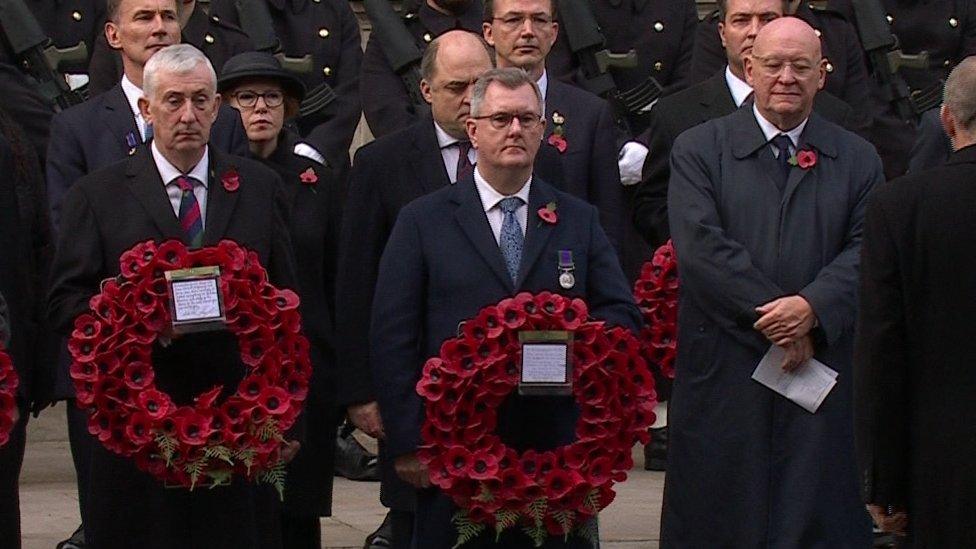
(537, 232)
(119, 118)
(470, 215)
(815, 136)
(147, 186)
(748, 139)
(426, 159)
(719, 102)
(220, 201)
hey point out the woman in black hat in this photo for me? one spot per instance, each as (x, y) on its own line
(266, 96)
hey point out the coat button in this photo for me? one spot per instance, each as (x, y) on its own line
(953, 22)
(324, 32)
(817, 32)
(76, 15)
(410, 15)
(215, 19)
(327, 71)
(659, 26)
(946, 63)
(830, 67)
(428, 37)
(658, 66)
(890, 19)
(208, 38)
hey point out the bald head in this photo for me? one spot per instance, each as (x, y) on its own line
(959, 104)
(786, 69)
(451, 65)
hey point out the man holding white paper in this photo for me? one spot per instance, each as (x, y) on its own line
(766, 207)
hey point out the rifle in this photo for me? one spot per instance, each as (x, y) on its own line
(887, 58)
(37, 54)
(255, 19)
(587, 43)
(397, 44)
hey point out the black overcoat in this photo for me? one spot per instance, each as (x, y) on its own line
(913, 377)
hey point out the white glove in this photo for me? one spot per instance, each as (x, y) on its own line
(631, 162)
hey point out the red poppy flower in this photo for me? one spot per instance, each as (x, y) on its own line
(511, 314)
(194, 428)
(559, 482)
(138, 429)
(559, 142)
(155, 403)
(458, 460)
(86, 328)
(484, 465)
(274, 400)
(548, 213)
(231, 180)
(806, 159)
(309, 177)
(286, 300)
(138, 375)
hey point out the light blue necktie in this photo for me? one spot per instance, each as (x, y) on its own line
(511, 238)
(149, 133)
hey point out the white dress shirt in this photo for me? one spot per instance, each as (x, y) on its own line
(543, 83)
(451, 152)
(771, 131)
(739, 88)
(490, 199)
(169, 173)
(132, 95)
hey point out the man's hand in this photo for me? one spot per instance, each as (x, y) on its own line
(797, 352)
(631, 162)
(289, 449)
(895, 523)
(785, 319)
(366, 417)
(409, 468)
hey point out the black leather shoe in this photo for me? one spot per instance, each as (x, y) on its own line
(656, 452)
(76, 541)
(352, 460)
(382, 538)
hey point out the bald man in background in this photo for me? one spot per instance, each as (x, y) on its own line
(766, 207)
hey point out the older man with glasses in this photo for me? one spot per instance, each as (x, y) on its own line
(479, 241)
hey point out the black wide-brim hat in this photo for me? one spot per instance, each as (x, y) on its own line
(258, 64)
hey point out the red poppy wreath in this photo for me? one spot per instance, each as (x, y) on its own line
(8, 395)
(656, 294)
(544, 493)
(206, 442)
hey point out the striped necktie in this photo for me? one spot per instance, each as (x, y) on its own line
(190, 218)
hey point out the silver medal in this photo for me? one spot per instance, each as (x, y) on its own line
(567, 280)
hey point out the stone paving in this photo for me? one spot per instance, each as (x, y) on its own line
(49, 504)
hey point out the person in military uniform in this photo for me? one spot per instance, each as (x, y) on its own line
(266, 95)
(387, 104)
(217, 39)
(70, 22)
(661, 33)
(329, 32)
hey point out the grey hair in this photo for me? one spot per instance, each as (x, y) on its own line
(178, 59)
(512, 78)
(960, 93)
(428, 63)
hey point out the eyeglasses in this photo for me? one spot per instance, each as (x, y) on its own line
(502, 120)
(513, 22)
(776, 66)
(248, 98)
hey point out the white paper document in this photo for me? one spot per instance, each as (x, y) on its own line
(544, 363)
(807, 385)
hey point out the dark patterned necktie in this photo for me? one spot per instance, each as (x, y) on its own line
(782, 143)
(465, 168)
(511, 239)
(190, 218)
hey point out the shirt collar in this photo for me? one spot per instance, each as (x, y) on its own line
(490, 197)
(739, 88)
(543, 83)
(771, 131)
(168, 172)
(132, 95)
(444, 139)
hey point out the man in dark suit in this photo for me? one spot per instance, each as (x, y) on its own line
(386, 101)
(913, 376)
(579, 125)
(25, 256)
(443, 263)
(766, 207)
(107, 212)
(387, 174)
(109, 127)
(718, 96)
